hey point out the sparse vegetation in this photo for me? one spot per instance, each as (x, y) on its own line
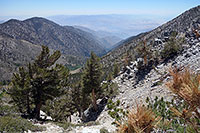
(178, 115)
(103, 130)
(117, 113)
(172, 47)
(185, 84)
(16, 124)
(116, 70)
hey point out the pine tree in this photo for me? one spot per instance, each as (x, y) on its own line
(20, 91)
(44, 82)
(77, 98)
(145, 53)
(109, 78)
(116, 70)
(92, 78)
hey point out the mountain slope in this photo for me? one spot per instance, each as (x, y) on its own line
(107, 39)
(15, 53)
(134, 90)
(44, 32)
(184, 24)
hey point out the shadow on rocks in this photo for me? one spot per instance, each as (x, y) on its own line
(92, 115)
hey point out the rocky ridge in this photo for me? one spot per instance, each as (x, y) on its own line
(40, 31)
(185, 24)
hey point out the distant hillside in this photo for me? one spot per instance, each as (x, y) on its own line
(107, 39)
(40, 31)
(20, 43)
(17, 52)
(184, 25)
(14, 53)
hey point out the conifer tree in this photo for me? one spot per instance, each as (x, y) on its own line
(41, 82)
(77, 98)
(109, 77)
(20, 91)
(92, 78)
(116, 70)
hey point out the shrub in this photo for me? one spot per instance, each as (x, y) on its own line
(172, 47)
(115, 111)
(185, 84)
(64, 125)
(103, 130)
(110, 89)
(8, 110)
(16, 124)
(173, 114)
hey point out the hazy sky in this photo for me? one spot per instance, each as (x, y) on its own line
(82, 7)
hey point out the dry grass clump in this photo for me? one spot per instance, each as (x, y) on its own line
(186, 85)
(139, 121)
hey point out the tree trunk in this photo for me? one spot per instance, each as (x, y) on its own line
(94, 102)
(37, 110)
(28, 104)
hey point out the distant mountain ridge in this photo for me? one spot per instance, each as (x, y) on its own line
(20, 43)
(15, 53)
(41, 31)
(107, 39)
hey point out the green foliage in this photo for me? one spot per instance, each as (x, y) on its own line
(59, 109)
(78, 98)
(92, 74)
(21, 90)
(110, 89)
(115, 111)
(172, 47)
(160, 107)
(92, 78)
(116, 70)
(73, 79)
(4, 82)
(109, 77)
(1, 96)
(103, 130)
(39, 82)
(64, 125)
(169, 119)
(16, 124)
(6, 110)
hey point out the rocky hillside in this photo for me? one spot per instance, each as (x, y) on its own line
(40, 31)
(133, 89)
(184, 24)
(19, 52)
(14, 53)
(20, 43)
